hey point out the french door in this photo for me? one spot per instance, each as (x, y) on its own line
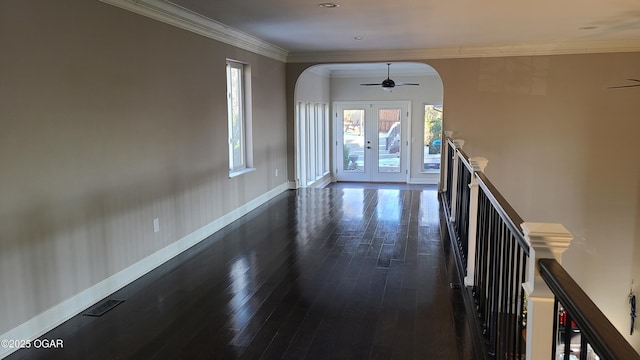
(371, 141)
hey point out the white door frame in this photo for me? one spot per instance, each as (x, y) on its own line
(371, 175)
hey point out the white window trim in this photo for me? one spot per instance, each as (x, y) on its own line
(247, 138)
(233, 174)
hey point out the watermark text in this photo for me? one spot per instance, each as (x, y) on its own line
(29, 344)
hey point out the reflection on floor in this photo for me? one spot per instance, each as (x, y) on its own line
(380, 185)
(347, 272)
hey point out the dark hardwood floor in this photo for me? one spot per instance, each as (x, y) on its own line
(344, 272)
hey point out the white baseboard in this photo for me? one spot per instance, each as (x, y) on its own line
(429, 179)
(44, 322)
(322, 182)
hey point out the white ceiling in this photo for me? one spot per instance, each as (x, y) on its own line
(302, 26)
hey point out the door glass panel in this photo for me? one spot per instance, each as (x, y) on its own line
(389, 140)
(371, 143)
(353, 143)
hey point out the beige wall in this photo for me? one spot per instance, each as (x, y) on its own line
(108, 121)
(313, 86)
(561, 148)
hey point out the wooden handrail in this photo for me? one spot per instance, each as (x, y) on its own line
(605, 339)
(500, 201)
(508, 213)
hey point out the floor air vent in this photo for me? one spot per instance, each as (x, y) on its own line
(102, 308)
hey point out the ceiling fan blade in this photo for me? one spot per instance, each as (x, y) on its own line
(389, 84)
(626, 86)
(623, 86)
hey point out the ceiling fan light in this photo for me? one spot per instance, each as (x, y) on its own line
(387, 88)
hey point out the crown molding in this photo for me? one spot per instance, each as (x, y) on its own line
(172, 14)
(178, 16)
(566, 48)
(395, 72)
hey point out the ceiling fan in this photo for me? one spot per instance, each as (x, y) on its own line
(388, 84)
(626, 86)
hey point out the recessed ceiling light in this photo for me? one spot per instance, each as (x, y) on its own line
(588, 27)
(329, 5)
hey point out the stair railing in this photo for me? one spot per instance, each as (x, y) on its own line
(518, 314)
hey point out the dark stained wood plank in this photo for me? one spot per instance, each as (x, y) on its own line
(339, 273)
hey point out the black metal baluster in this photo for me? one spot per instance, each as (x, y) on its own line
(568, 331)
(479, 243)
(464, 214)
(458, 204)
(501, 296)
(487, 274)
(509, 294)
(498, 280)
(459, 197)
(583, 347)
(493, 285)
(521, 304)
(482, 254)
(517, 301)
(512, 315)
(491, 278)
(556, 330)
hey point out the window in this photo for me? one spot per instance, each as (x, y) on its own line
(432, 138)
(312, 142)
(238, 118)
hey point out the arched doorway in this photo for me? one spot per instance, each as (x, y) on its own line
(319, 147)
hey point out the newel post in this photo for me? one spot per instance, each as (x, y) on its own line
(479, 164)
(448, 134)
(458, 143)
(546, 241)
(445, 160)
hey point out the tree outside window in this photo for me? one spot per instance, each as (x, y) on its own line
(432, 137)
